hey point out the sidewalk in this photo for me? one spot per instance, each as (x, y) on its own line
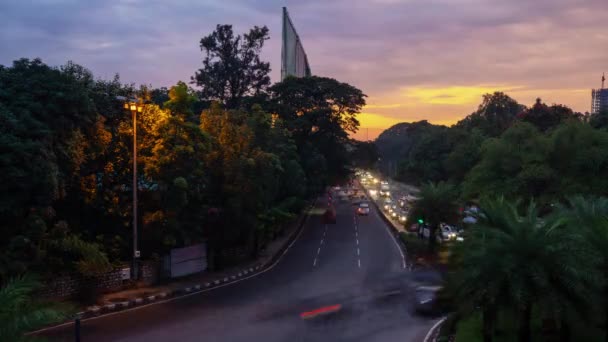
(129, 298)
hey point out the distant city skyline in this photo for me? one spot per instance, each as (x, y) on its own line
(415, 59)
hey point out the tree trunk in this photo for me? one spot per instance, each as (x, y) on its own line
(489, 318)
(432, 238)
(525, 316)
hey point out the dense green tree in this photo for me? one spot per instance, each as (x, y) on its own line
(579, 155)
(181, 101)
(364, 154)
(425, 160)
(513, 165)
(599, 120)
(20, 312)
(436, 204)
(465, 154)
(319, 113)
(520, 262)
(546, 117)
(590, 216)
(494, 115)
(232, 69)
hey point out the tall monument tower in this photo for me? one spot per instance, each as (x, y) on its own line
(293, 57)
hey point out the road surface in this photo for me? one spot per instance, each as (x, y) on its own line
(354, 263)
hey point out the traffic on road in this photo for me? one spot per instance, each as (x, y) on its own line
(342, 280)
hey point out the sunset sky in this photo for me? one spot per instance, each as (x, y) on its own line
(415, 59)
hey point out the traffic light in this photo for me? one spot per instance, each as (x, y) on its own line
(420, 221)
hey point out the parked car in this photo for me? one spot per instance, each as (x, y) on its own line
(363, 208)
(446, 232)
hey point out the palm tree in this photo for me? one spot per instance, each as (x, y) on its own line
(591, 216)
(521, 262)
(436, 204)
(19, 313)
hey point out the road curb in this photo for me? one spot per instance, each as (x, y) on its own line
(431, 335)
(260, 267)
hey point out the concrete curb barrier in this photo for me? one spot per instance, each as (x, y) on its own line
(96, 311)
(431, 335)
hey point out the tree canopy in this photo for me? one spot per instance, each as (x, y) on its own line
(232, 68)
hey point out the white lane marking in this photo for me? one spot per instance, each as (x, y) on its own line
(318, 250)
(356, 234)
(357, 241)
(357, 251)
(321, 241)
(314, 263)
(388, 230)
(359, 262)
(187, 295)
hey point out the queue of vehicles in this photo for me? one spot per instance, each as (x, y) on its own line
(399, 209)
(425, 295)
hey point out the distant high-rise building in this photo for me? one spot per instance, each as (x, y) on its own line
(599, 98)
(293, 57)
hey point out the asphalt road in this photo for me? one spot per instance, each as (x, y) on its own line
(354, 263)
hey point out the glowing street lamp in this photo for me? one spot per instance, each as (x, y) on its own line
(134, 108)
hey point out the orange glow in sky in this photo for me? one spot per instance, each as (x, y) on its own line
(447, 105)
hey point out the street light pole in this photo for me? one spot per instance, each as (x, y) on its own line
(135, 250)
(134, 108)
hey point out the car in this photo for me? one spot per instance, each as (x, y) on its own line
(413, 228)
(387, 203)
(426, 299)
(394, 214)
(403, 216)
(469, 220)
(446, 232)
(363, 208)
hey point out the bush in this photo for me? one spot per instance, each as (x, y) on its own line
(414, 245)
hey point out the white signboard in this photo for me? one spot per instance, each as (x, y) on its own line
(125, 273)
(188, 260)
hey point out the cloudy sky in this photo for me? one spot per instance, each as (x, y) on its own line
(415, 59)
